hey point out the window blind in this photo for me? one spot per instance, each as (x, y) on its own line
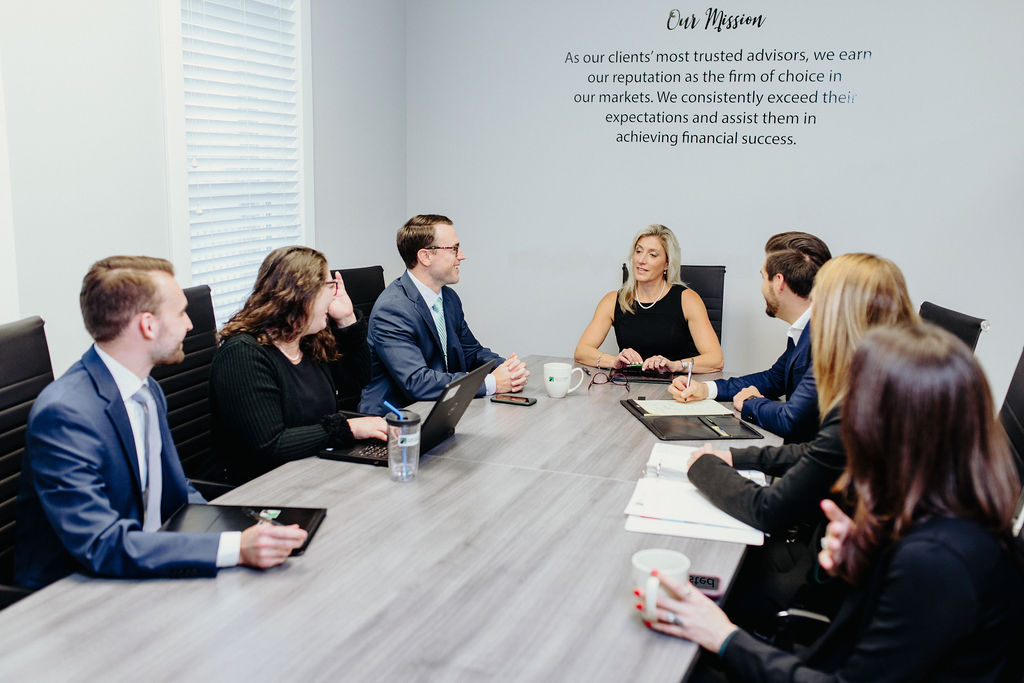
(242, 136)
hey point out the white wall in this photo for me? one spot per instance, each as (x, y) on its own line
(9, 309)
(925, 168)
(83, 94)
(465, 108)
(359, 53)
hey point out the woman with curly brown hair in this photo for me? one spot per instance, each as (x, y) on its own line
(284, 359)
(939, 593)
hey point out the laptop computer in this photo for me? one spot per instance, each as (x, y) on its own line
(439, 425)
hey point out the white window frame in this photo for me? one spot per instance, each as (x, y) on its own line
(174, 127)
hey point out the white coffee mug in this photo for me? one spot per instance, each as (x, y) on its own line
(668, 563)
(557, 377)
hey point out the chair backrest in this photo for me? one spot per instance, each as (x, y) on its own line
(24, 371)
(966, 327)
(187, 387)
(709, 283)
(363, 285)
(1012, 414)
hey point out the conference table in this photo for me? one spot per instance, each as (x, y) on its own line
(505, 559)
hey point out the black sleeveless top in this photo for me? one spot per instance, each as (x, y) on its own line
(660, 330)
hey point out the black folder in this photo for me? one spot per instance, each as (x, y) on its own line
(692, 427)
(200, 518)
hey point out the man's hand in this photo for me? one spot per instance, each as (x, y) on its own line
(510, 376)
(268, 545)
(341, 310)
(368, 428)
(697, 391)
(743, 394)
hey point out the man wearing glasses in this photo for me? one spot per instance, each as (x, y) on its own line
(419, 339)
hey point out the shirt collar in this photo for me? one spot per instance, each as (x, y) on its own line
(127, 381)
(797, 328)
(429, 295)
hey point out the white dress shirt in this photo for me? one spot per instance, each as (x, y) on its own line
(230, 546)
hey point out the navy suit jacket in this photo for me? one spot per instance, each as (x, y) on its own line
(796, 419)
(406, 360)
(80, 503)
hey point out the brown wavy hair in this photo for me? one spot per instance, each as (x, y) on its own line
(852, 293)
(922, 441)
(288, 282)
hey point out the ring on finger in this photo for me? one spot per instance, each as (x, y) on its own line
(673, 618)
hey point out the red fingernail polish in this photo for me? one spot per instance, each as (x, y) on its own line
(647, 624)
(636, 592)
(654, 572)
(639, 606)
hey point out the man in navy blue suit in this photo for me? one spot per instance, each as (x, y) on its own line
(792, 259)
(419, 339)
(100, 472)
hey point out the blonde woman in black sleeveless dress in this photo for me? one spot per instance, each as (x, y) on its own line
(658, 321)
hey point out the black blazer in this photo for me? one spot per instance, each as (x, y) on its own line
(805, 474)
(945, 603)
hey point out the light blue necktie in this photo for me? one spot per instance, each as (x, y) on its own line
(438, 311)
(153, 486)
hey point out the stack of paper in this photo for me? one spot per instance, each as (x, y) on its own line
(665, 502)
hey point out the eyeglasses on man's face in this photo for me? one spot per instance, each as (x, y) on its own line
(455, 248)
(606, 378)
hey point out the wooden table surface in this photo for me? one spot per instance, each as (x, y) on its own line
(506, 559)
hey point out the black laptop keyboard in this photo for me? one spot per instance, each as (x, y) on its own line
(377, 449)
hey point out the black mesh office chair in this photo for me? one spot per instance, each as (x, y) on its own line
(363, 285)
(187, 387)
(24, 371)
(709, 283)
(1012, 415)
(967, 328)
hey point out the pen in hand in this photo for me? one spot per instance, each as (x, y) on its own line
(261, 518)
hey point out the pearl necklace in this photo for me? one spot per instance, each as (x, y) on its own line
(656, 299)
(294, 359)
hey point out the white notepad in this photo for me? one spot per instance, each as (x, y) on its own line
(705, 407)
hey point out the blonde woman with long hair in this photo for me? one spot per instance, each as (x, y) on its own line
(659, 323)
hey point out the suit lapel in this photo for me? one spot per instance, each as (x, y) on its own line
(425, 313)
(116, 412)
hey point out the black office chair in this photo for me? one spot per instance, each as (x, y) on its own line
(363, 285)
(709, 283)
(967, 328)
(24, 371)
(1011, 415)
(187, 387)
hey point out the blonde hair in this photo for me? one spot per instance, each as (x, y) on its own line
(627, 294)
(852, 293)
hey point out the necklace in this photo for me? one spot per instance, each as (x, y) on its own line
(656, 299)
(294, 359)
